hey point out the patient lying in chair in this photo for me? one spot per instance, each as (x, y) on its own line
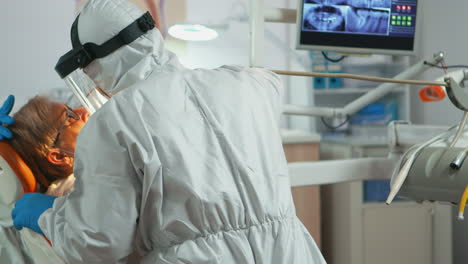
(44, 136)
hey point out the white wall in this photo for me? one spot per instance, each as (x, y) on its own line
(34, 34)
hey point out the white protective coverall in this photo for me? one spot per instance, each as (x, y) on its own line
(181, 165)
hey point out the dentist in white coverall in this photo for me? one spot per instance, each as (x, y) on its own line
(179, 165)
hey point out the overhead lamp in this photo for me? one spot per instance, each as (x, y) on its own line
(191, 32)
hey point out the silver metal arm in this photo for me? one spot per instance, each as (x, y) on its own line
(402, 134)
(290, 109)
(369, 97)
(386, 88)
(257, 28)
(337, 171)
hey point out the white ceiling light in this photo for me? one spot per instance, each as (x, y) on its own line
(192, 32)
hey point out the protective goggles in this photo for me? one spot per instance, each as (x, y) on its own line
(70, 65)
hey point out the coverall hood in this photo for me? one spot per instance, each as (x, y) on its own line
(99, 21)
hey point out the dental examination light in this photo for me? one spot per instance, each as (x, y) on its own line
(192, 32)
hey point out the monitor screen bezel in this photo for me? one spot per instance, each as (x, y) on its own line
(353, 50)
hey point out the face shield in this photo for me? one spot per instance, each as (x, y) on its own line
(88, 94)
(70, 66)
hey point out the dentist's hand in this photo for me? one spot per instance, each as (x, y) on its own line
(5, 119)
(29, 208)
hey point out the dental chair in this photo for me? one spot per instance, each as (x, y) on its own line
(23, 246)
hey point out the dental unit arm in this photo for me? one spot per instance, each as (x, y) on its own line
(425, 172)
(434, 170)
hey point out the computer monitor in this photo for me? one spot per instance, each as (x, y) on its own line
(358, 26)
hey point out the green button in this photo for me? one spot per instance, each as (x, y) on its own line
(404, 18)
(408, 23)
(398, 23)
(403, 23)
(393, 17)
(410, 18)
(399, 17)
(393, 23)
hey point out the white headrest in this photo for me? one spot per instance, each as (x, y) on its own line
(10, 190)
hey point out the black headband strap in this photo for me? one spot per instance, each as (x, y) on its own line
(82, 55)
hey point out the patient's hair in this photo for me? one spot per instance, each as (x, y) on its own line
(34, 131)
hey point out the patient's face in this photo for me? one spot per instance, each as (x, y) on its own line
(72, 127)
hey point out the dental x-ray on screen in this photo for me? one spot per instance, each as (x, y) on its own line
(361, 26)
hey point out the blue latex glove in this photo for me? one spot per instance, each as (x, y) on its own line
(29, 208)
(5, 119)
